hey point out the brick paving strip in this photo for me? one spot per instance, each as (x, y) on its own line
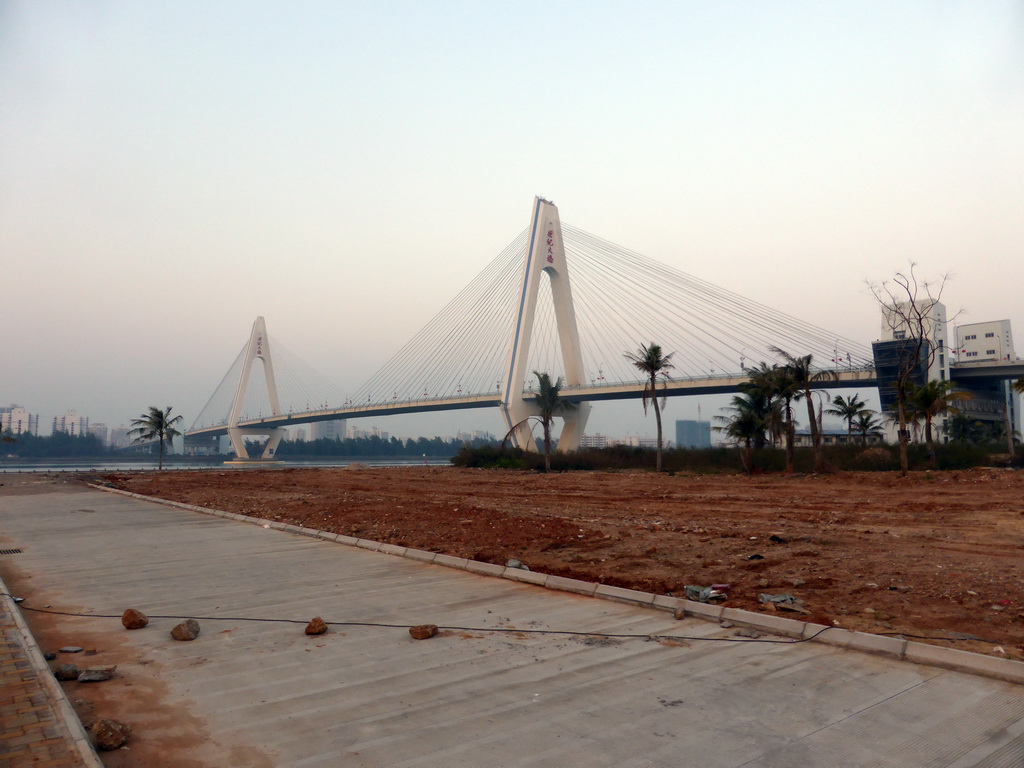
(38, 727)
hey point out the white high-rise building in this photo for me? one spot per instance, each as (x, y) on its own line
(71, 423)
(979, 342)
(18, 421)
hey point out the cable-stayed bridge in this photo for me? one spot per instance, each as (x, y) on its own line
(556, 300)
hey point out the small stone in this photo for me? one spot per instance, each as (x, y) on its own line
(753, 634)
(133, 619)
(726, 625)
(517, 564)
(680, 614)
(96, 674)
(187, 630)
(50, 656)
(66, 672)
(110, 734)
(71, 649)
(763, 583)
(316, 627)
(997, 607)
(423, 631)
(797, 582)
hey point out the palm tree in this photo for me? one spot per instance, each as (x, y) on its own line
(847, 408)
(156, 425)
(801, 371)
(868, 426)
(934, 398)
(744, 427)
(654, 364)
(964, 429)
(762, 397)
(550, 402)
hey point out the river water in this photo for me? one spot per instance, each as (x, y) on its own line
(86, 465)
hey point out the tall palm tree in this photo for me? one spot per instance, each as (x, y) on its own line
(156, 425)
(786, 390)
(762, 397)
(550, 402)
(743, 427)
(868, 426)
(934, 398)
(847, 408)
(651, 361)
(804, 376)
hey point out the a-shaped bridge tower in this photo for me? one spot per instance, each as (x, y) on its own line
(257, 349)
(545, 256)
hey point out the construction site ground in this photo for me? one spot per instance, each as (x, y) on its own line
(934, 556)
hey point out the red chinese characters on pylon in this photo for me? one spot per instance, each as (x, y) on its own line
(551, 246)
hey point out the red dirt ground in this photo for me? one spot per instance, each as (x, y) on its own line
(936, 556)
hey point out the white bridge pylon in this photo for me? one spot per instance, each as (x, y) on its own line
(258, 349)
(545, 256)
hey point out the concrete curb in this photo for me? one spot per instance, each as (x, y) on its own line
(63, 711)
(891, 646)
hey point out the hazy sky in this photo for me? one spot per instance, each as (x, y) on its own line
(168, 171)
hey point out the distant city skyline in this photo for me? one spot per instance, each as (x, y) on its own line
(169, 172)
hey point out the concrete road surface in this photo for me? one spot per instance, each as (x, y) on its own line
(264, 693)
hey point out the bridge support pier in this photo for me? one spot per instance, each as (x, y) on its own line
(546, 255)
(237, 436)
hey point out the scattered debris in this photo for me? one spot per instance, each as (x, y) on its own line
(96, 674)
(965, 636)
(517, 564)
(66, 672)
(187, 630)
(49, 656)
(784, 602)
(716, 592)
(777, 539)
(755, 556)
(133, 619)
(753, 634)
(423, 631)
(726, 625)
(71, 649)
(316, 627)
(110, 734)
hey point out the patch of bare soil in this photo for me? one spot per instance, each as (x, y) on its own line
(934, 556)
(164, 731)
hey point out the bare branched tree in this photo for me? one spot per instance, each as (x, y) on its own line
(908, 309)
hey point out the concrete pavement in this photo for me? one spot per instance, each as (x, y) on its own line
(373, 696)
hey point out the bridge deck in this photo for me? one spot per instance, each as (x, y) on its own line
(716, 385)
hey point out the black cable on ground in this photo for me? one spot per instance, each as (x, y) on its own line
(511, 630)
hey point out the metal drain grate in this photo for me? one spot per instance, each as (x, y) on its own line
(10, 551)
